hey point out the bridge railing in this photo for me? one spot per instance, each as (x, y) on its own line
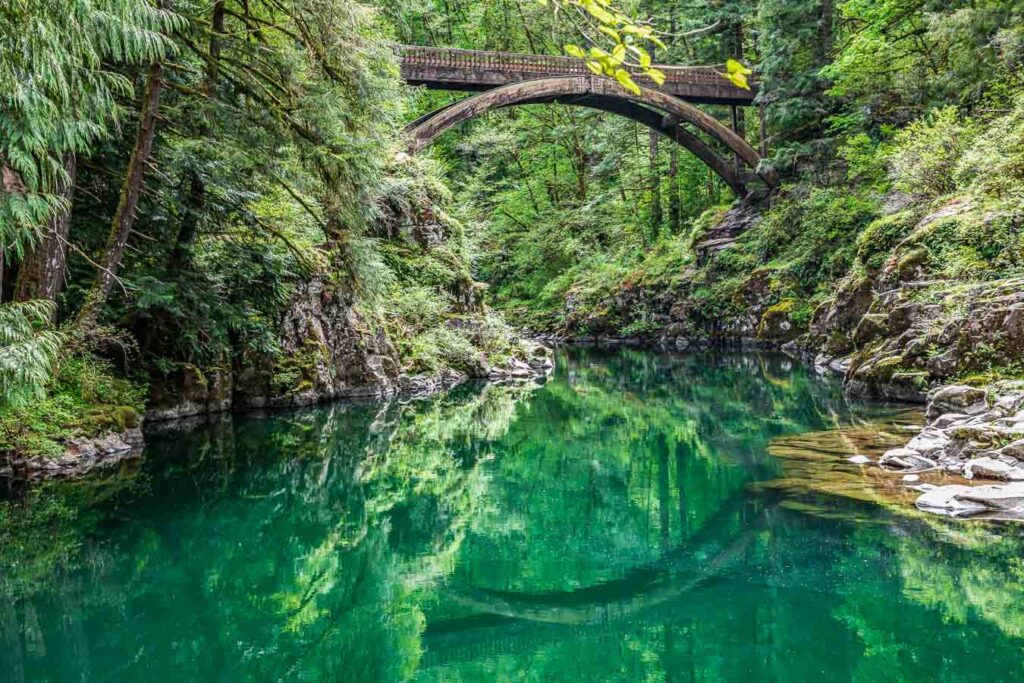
(453, 58)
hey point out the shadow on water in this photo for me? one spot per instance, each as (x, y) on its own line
(638, 517)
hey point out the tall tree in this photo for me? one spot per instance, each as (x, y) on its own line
(131, 188)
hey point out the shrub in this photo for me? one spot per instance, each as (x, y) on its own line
(994, 164)
(866, 160)
(881, 236)
(27, 351)
(927, 151)
(444, 347)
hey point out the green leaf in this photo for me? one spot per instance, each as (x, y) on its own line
(739, 80)
(627, 82)
(601, 14)
(574, 51)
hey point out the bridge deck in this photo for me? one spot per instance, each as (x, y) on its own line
(452, 69)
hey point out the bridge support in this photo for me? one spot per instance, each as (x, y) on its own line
(650, 108)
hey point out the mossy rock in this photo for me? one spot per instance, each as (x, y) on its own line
(126, 417)
(110, 418)
(781, 323)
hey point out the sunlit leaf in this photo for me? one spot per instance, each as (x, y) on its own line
(627, 82)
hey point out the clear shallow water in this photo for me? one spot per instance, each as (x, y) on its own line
(613, 524)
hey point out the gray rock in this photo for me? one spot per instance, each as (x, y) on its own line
(906, 459)
(929, 442)
(1014, 450)
(946, 499)
(949, 420)
(990, 468)
(996, 497)
(957, 398)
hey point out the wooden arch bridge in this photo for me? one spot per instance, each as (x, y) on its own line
(505, 79)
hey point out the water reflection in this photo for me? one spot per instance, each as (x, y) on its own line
(625, 521)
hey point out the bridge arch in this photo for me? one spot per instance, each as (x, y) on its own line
(655, 109)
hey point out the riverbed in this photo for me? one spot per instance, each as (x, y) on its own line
(637, 516)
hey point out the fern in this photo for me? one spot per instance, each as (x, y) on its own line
(28, 351)
(57, 93)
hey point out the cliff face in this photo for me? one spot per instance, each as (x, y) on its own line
(329, 349)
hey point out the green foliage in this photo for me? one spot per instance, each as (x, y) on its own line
(27, 350)
(902, 56)
(866, 160)
(84, 398)
(58, 93)
(881, 236)
(926, 153)
(993, 166)
(808, 242)
(443, 347)
(792, 53)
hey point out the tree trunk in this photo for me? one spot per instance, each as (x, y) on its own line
(655, 186)
(675, 208)
(42, 272)
(825, 31)
(181, 256)
(124, 218)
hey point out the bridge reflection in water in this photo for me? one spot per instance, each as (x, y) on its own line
(603, 526)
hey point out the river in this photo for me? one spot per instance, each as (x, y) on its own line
(637, 517)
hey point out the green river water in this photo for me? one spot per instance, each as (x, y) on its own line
(624, 521)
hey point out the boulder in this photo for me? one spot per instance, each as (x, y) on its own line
(948, 420)
(947, 499)
(991, 468)
(1014, 450)
(996, 497)
(957, 398)
(929, 442)
(906, 459)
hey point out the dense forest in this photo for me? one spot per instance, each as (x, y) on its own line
(206, 204)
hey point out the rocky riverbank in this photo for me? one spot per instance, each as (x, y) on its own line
(899, 316)
(198, 395)
(973, 436)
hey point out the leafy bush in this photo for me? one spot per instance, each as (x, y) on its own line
(412, 309)
(994, 164)
(865, 160)
(927, 151)
(808, 241)
(443, 347)
(84, 398)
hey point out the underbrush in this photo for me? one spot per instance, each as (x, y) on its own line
(85, 398)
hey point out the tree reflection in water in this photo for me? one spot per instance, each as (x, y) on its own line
(616, 523)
